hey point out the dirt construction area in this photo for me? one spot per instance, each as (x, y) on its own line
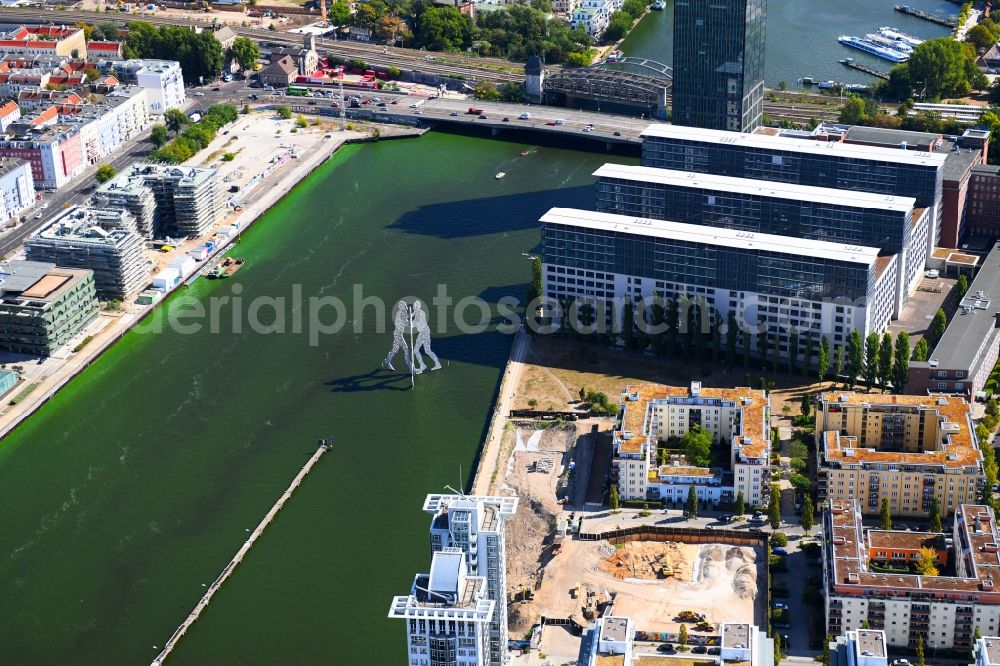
(653, 581)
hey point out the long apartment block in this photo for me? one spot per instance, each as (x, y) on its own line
(891, 223)
(945, 610)
(652, 413)
(780, 282)
(907, 449)
(765, 155)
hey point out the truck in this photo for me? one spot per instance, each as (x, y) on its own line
(473, 111)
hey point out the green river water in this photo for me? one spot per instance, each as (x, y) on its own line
(137, 483)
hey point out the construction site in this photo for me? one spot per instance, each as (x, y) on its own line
(564, 578)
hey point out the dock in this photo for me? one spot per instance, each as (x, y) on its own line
(202, 604)
(849, 62)
(919, 13)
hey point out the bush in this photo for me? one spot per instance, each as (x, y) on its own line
(812, 550)
(779, 539)
(24, 393)
(284, 112)
(105, 172)
(83, 343)
(301, 122)
(228, 157)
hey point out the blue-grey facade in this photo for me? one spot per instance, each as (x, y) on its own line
(696, 264)
(719, 64)
(888, 229)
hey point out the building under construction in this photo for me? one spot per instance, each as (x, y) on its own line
(167, 200)
(79, 239)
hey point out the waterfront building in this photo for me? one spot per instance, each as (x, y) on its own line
(593, 16)
(907, 449)
(889, 223)
(103, 241)
(987, 650)
(161, 79)
(805, 161)
(863, 647)
(476, 525)
(45, 40)
(652, 413)
(447, 614)
(965, 355)
(17, 188)
(944, 610)
(42, 307)
(777, 283)
(172, 200)
(718, 77)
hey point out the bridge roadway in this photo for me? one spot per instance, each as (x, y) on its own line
(442, 64)
(605, 128)
(240, 554)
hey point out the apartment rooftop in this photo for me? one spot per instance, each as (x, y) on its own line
(436, 503)
(956, 448)
(810, 147)
(870, 643)
(614, 629)
(975, 322)
(760, 188)
(87, 225)
(712, 236)
(736, 636)
(849, 566)
(990, 645)
(638, 399)
(897, 540)
(447, 592)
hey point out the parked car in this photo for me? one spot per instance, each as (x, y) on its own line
(506, 119)
(560, 121)
(617, 133)
(717, 650)
(254, 96)
(778, 550)
(666, 648)
(777, 605)
(199, 94)
(699, 649)
(758, 517)
(551, 122)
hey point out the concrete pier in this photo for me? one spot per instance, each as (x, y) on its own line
(244, 549)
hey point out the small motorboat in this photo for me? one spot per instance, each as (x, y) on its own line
(500, 175)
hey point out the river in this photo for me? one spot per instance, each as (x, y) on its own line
(132, 488)
(802, 36)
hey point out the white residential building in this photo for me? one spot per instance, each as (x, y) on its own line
(593, 16)
(652, 413)
(613, 639)
(17, 188)
(477, 526)
(161, 79)
(447, 614)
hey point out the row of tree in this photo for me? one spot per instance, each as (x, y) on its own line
(194, 137)
(199, 53)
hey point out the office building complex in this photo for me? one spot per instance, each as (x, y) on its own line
(98, 240)
(965, 355)
(906, 449)
(718, 80)
(476, 526)
(804, 161)
(42, 307)
(799, 211)
(17, 188)
(652, 413)
(181, 201)
(778, 282)
(447, 614)
(943, 610)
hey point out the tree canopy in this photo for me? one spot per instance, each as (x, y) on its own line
(698, 447)
(937, 68)
(245, 52)
(199, 54)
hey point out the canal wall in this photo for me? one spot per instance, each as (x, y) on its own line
(114, 331)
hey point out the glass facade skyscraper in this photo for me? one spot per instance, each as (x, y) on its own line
(719, 64)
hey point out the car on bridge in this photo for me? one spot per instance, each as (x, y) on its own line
(524, 116)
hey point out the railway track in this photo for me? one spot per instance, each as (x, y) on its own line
(443, 64)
